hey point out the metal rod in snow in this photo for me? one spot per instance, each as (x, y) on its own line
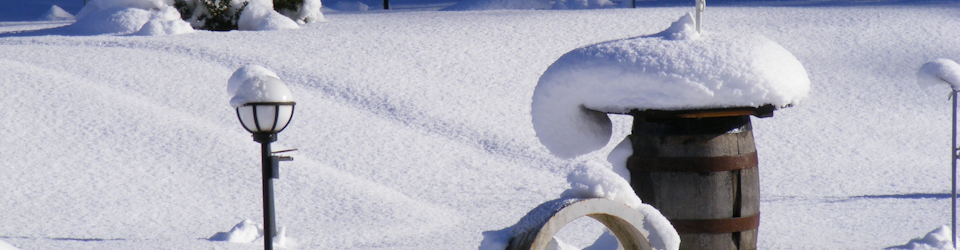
(701, 5)
(953, 176)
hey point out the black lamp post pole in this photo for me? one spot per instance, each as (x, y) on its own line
(269, 221)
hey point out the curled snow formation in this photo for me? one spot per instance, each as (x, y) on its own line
(677, 69)
(254, 83)
(122, 17)
(939, 71)
(618, 158)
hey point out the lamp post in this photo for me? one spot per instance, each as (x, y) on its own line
(264, 106)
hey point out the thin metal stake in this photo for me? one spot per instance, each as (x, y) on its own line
(701, 6)
(953, 176)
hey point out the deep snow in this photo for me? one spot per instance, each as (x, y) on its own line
(414, 131)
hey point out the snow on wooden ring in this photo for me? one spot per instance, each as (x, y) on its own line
(677, 69)
(540, 225)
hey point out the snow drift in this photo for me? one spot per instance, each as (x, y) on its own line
(248, 231)
(938, 239)
(476, 5)
(123, 17)
(413, 145)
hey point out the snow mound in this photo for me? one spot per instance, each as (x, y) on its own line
(259, 15)
(660, 232)
(939, 71)
(350, 6)
(5, 246)
(57, 14)
(248, 231)
(677, 69)
(468, 5)
(938, 239)
(557, 244)
(113, 21)
(165, 21)
(254, 83)
(594, 180)
(476, 5)
(606, 241)
(583, 4)
(122, 17)
(99, 5)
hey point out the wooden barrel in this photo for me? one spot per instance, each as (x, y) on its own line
(700, 171)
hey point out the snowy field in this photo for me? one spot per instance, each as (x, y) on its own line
(414, 128)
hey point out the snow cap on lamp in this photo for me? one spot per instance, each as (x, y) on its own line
(254, 83)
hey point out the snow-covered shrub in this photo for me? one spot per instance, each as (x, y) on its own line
(301, 11)
(217, 15)
(224, 15)
(286, 6)
(260, 15)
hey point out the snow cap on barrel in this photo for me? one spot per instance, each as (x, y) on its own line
(677, 69)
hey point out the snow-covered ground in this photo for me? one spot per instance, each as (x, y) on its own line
(414, 128)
